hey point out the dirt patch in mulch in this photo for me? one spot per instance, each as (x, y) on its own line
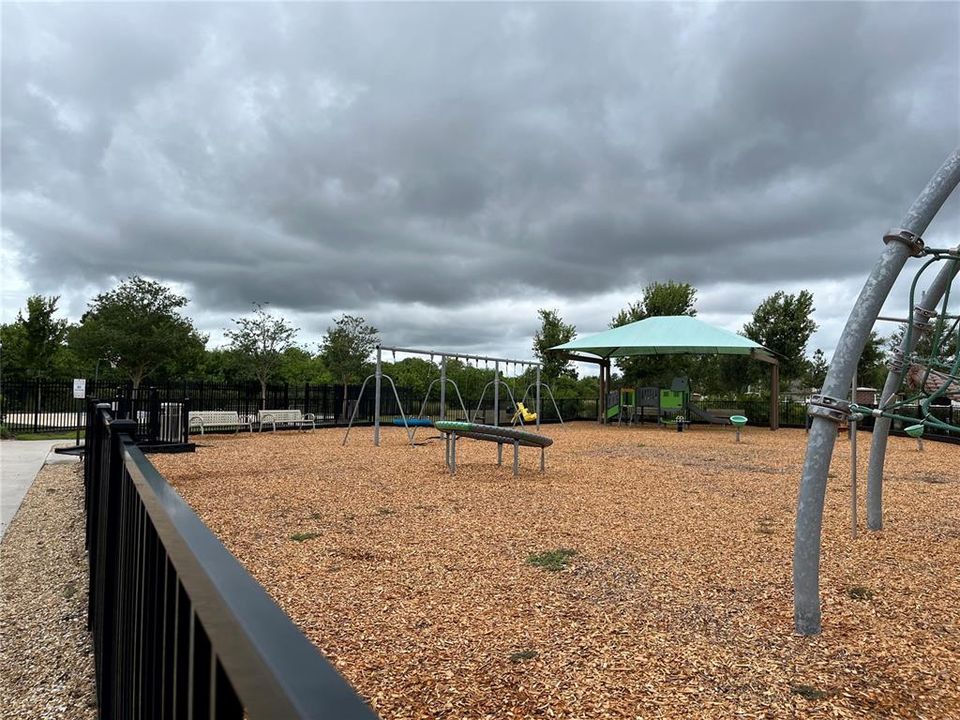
(647, 573)
(46, 661)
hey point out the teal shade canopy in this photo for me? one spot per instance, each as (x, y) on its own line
(668, 335)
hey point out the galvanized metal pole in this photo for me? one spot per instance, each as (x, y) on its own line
(881, 427)
(538, 398)
(496, 393)
(496, 407)
(443, 386)
(852, 430)
(376, 401)
(828, 409)
(453, 453)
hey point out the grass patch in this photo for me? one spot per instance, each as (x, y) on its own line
(766, 526)
(66, 435)
(69, 590)
(519, 657)
(808, 692)
(859, 592)
(315, 516)
(300, 537)
(386, 511)
(552, 560)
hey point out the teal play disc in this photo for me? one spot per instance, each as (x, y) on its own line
(914, 431)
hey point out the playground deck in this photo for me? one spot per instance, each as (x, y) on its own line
(676, 603)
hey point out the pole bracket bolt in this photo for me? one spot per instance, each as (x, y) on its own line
(913, 241)
(830, 408)
(896, 362)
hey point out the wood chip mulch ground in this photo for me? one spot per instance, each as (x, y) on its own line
(46, 661)
(646, 574)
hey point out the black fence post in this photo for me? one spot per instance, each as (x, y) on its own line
(36, 406)
(153, 415)
(185, 420)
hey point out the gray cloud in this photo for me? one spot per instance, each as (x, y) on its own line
(432, 158)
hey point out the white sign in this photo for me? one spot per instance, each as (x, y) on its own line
(79, 388)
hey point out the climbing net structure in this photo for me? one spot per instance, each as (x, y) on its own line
(930, 373)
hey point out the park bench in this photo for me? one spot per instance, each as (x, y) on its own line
(287, 417)
(216, 420)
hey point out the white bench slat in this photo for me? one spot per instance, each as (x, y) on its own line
(217, 419)
(287, 417)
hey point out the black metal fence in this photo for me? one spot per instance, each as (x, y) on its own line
(179, 628)
(49, 406)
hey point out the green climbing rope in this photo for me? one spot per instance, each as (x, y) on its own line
(934, 366)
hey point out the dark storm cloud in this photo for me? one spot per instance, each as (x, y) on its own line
(334, 156)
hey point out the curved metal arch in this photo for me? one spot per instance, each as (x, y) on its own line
(823, 434)
(484, 392)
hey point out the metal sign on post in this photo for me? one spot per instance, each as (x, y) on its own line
(79, 393)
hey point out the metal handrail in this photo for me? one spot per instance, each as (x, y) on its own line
(150, 553)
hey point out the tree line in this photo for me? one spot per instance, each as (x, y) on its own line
(138, 332)
(782, 323)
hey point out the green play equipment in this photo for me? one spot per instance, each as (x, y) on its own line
(621, 404)
(914, 431)
(668, 335)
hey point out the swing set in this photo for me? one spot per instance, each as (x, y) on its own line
(411, 423)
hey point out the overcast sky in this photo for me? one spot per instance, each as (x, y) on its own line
(446, 169)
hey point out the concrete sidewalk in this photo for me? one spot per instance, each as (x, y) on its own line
(20, 461)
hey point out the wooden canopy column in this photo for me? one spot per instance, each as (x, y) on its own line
(774, 387)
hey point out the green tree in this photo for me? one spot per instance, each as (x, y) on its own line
(659, 299)
(220, 365)
(260, 342)
(784, 323)
(298, 366)
(138, 328)
(817, 369)
(345, 349)
(871, 368)
(553, 331)
(415, 373)
(31, 345)
(11, 350)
